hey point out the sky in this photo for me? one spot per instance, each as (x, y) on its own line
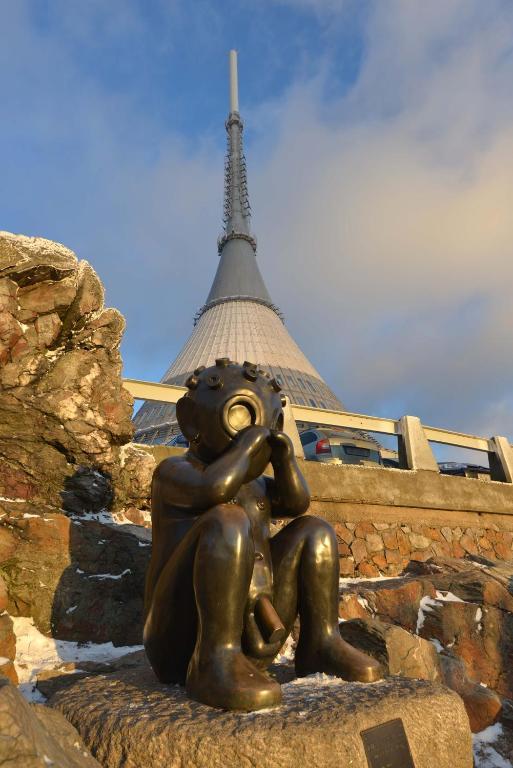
(379, 142)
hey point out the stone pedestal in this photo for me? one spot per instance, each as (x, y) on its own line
(128, 719)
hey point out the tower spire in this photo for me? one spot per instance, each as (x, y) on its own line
(234, 83)
(237, 276)
(236, 202)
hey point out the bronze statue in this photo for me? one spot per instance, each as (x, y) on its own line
(221, 594)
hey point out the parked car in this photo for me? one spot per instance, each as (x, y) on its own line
(464, 470)
(178, 441)
(391, 463)
(339, 447)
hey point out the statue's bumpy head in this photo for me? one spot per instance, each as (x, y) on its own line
(223, 400)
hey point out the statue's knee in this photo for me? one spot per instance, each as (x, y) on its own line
(230, 521)
(321, 536)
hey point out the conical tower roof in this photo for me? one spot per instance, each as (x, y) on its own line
(238, 319)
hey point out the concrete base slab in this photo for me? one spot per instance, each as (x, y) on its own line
(129, 719)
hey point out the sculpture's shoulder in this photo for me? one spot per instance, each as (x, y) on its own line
(172, 467)
(177, 481)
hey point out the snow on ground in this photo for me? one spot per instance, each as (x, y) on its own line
(428, 603)
(286, 653)
(110, 575)
(36, 652)
(448, 597)
(363, 580)
(107, 517)
(312, 684)
(309, 688)
(103, 516)
(364, 603)
(485, 755)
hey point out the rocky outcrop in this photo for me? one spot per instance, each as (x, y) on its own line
(67, 470)
(7, 647)
(78, 579)
(393, 600)
(49, 681)
(472, 615)
(129, 719)
(36, 736)
(460, 628)
(400, 652)
(408, 655)
(484, 706)
(63, 405)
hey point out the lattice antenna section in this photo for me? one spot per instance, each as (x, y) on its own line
(236, 209)
(227, 207)
(244, 198)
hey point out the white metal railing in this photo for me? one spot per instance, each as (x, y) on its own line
(149, 390)
(414, 449)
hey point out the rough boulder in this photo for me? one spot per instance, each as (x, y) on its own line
(127, 718)
(36, 736)
(68, 472)
(446, 619)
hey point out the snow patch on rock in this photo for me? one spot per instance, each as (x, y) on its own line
(35, 652)
(485, 754)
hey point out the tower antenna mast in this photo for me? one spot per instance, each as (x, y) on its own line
(234, 82)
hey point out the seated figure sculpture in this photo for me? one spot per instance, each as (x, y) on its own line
(222, 595)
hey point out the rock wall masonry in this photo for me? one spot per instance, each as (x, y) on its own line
(370, 549)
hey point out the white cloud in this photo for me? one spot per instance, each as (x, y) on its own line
(390, 216)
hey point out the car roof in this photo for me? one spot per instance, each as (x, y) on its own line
(340, 434)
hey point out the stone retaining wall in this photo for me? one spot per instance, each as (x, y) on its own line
(385, 518)
(370, 549)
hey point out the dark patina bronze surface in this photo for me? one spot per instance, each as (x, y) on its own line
(221, 594)
(386, 746)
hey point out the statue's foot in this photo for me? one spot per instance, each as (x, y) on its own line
(226, 679)
(333, 656)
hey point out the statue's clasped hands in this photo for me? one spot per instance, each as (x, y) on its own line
(257, 439)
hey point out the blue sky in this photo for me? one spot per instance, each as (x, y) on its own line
(379, 138)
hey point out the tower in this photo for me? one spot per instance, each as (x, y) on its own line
(238, 319)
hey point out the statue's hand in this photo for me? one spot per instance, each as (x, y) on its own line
(253, 438)
(282, 449)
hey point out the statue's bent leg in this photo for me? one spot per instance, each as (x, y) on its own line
(171, 624)
(306, 574)
(219, 674)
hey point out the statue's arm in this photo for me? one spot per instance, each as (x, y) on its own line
(185, 484)
(288, 490)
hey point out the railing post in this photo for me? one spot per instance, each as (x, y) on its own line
(414, 449)
(501, 460)
(290, 429)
